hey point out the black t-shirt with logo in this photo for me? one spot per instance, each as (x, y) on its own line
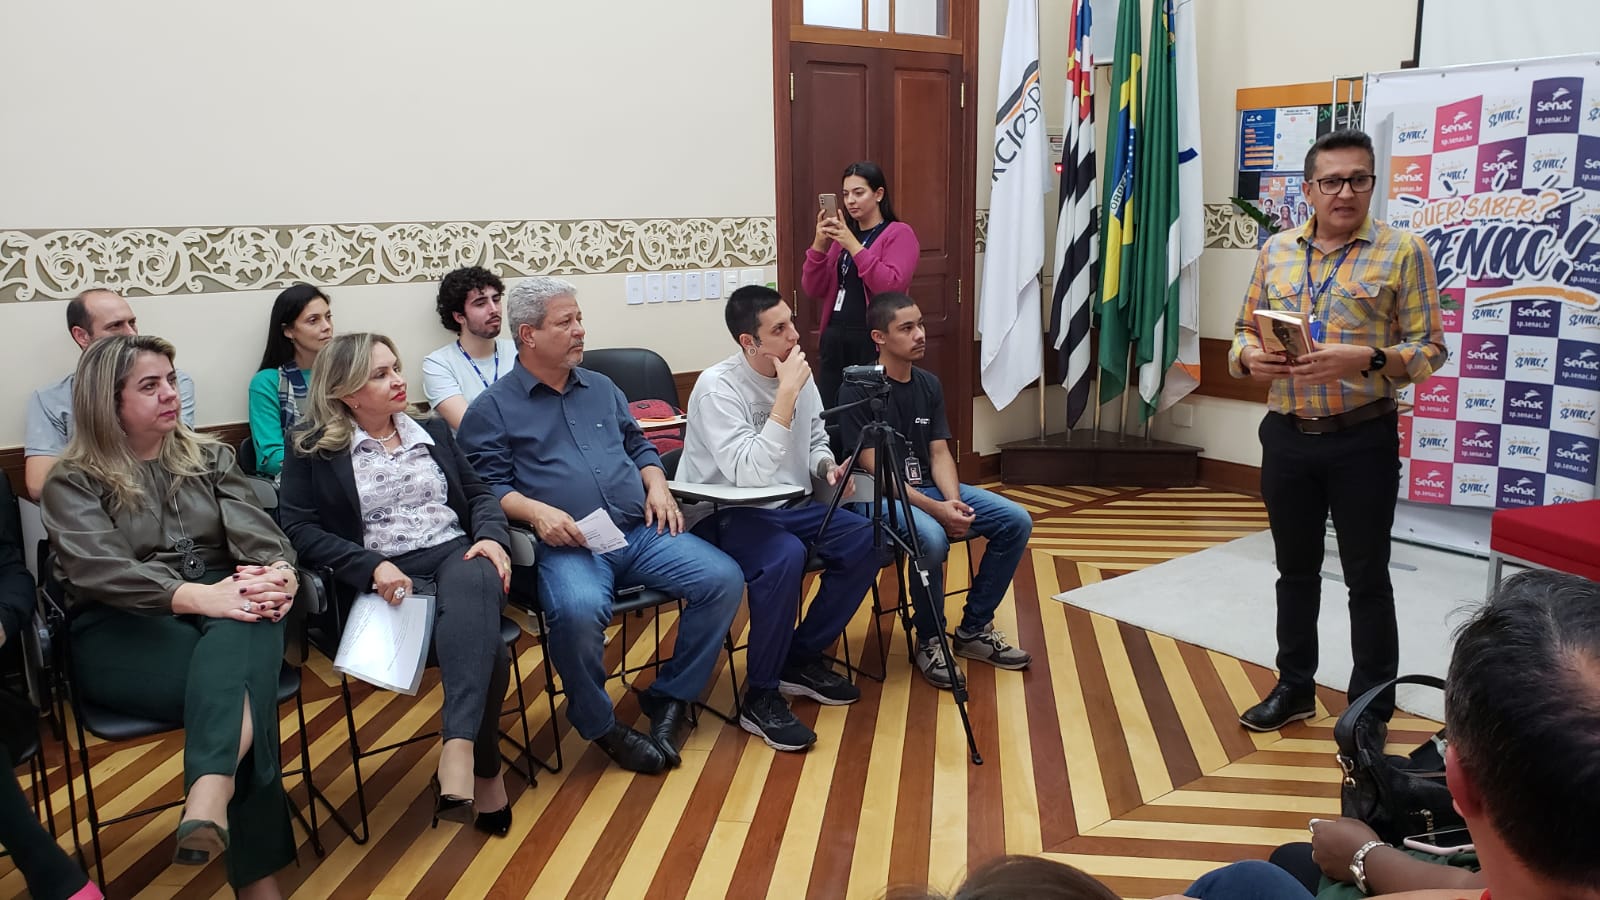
(916, 411)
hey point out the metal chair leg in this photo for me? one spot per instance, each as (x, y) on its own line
(355, 764)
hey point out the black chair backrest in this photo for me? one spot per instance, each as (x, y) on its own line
(247, 456)
(641, 373)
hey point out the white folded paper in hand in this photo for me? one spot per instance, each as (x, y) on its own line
(600, 533)
(387, 645)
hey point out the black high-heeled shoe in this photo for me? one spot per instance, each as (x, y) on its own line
(447, 806)
(497, 823)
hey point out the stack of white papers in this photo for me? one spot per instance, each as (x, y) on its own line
(387, 645)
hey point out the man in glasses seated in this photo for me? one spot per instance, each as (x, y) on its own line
(1329, 442)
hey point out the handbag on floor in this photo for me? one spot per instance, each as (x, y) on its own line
(1396, 796)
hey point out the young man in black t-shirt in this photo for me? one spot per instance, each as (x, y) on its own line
(943, 509)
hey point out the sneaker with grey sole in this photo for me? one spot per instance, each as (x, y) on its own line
(930, 662)
(765, 714)
(990, 646)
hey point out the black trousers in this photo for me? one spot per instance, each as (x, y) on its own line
(1355, 475)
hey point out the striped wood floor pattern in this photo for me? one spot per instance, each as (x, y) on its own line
(1117, 751)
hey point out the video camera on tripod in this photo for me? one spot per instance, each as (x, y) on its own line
(870, 378)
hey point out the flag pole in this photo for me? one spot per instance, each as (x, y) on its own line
(1127, 385)
(1041, 405)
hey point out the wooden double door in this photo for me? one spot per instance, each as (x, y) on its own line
(902, 109)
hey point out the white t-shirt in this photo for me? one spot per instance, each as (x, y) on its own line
(447, 372)
(731, 438)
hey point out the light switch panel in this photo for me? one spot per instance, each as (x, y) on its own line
(635, 289)
(714, 284)
(654, 289)
(674, 287)
(753, 276)
(692, 285)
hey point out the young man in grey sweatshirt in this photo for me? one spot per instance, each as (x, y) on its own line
(755, 420)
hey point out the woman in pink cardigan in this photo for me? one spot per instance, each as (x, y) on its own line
(851, 259)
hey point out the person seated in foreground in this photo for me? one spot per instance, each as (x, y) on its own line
(178, 585)
(470, 304)
(391, 505)
(49, 873)
(93, 314)
(1017, 877)
(555, 443)
(1522, 706)
(943, 510)
(302, 324)
(755, 421)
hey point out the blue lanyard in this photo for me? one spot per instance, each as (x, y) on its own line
(847, 262)
(1311, 302)
(1318, 330)
(474, 364)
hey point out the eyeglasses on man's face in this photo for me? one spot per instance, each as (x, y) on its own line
(1360, 184)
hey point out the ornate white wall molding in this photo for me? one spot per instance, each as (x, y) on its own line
(981, 233)
(46, 264)
(1229, 229)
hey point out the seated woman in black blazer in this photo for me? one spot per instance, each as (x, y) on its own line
(391, 505)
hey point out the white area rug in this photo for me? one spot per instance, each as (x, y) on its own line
(1222, 598)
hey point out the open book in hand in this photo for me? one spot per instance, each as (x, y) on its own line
(1284, 332)
(387, 645)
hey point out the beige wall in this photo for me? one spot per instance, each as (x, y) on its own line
(190, 113)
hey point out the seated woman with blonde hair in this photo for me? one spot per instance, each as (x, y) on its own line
(178, 585)
(391, 505)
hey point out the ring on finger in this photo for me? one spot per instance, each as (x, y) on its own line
(247, 605)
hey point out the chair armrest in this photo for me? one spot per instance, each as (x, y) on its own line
(523, 544)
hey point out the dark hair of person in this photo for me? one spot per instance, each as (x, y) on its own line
(455, 287)
(1342, 139)
(745, 306)
(873, 175)
(286, 309)
(884, 307)
(78, 308)
(1522, 702)
(1018, 877)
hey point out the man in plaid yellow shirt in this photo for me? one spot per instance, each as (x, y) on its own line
(1329, 442)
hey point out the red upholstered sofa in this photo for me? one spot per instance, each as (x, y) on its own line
(1564, 537)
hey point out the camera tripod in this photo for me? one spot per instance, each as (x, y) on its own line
(888, 479)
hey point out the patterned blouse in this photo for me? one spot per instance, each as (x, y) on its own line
(404, 497)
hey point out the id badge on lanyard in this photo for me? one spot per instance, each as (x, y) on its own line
(838, 300)
(913, 470)
(1319, 328)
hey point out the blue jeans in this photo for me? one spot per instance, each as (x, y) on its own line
(771, 546)
(1248, 880)
(1006, 525)
(576, 587)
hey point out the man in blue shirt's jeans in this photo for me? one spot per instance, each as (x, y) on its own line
(556, 443)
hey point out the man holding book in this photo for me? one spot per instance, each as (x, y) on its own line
(1329, 441)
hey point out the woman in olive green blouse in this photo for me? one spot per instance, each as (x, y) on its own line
(178, 584)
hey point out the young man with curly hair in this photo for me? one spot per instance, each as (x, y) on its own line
(470, 305)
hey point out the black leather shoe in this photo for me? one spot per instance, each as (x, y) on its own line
(497, 823)
(631, 750)
(669, 723)
(1282, 706)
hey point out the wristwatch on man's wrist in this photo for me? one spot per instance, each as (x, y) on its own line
(1378, 361)
(1358, 864)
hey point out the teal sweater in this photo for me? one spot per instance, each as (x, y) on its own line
(266, 421)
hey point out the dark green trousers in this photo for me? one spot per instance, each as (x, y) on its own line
(200, 671)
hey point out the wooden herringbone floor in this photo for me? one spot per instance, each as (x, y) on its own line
(1117, 751)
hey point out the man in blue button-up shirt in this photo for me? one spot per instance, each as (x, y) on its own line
(556, 442)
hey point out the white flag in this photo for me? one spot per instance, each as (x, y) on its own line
(1009, 317)
(1184, 376)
